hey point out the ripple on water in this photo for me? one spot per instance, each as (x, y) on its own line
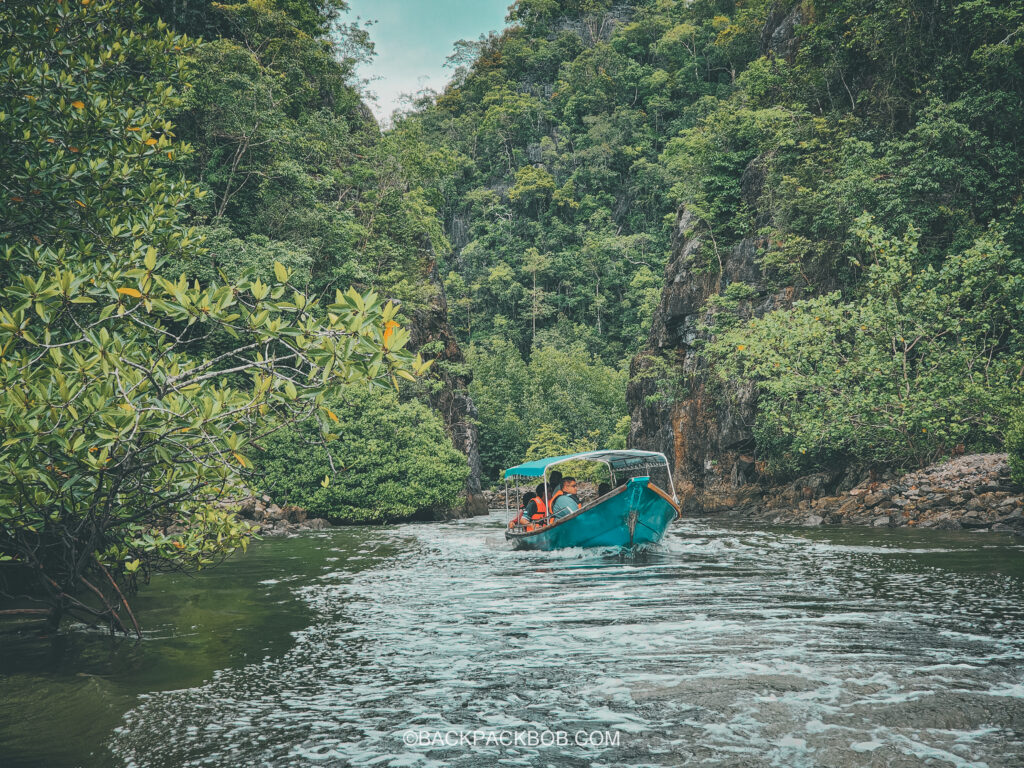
(724, 647)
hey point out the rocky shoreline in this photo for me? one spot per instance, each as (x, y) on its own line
(275, 520)
(973, 492)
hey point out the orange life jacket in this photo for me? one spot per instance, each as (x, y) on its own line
(542, 508)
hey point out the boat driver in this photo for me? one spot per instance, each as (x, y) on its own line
(566, 502)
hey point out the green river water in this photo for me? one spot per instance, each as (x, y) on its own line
(725, 645)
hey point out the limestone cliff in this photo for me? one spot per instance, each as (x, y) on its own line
(676, 405)
(706, 434)
(452, 400)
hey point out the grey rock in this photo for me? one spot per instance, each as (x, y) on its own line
(874, 499)
(813, 520)
(881, 521)
(848, 506)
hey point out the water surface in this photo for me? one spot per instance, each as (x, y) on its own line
(725, 646)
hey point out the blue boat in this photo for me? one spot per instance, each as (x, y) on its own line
(634, 512)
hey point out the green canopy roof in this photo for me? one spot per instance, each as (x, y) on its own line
(618, 459)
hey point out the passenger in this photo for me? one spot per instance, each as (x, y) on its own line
(554, 483)
(536, 510)
(573, 493)
(521, 518)
(603, 488)
(566, 501)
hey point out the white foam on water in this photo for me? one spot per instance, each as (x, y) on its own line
(722, 645)
(866, 746)
(1013, 690)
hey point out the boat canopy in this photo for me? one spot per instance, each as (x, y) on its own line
(618, 460)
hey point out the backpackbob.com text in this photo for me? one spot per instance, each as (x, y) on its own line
(480, 738)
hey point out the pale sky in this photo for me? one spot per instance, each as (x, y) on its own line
(413, 38)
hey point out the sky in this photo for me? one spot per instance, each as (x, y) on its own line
(413, 38)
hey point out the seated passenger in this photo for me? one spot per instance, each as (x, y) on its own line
(536, 509)
(521, 518)
(565, 502)
(603, 488)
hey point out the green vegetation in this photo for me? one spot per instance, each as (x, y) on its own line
(919, 360)
(293, 161)
(298, 173)
(118, 430)
(383, 461)
(563, 401)
(559, 206)
(586, 124)
(1015, 444)
(913, 116)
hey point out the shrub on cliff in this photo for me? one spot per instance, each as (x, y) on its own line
(1015, 444)
(919, 360)
(381, 461)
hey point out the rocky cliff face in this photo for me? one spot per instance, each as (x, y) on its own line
(676, 405)
(452, 400)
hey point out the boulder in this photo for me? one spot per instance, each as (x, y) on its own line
(275, 512)
(848, 506)
(874, 499)
(294, 514)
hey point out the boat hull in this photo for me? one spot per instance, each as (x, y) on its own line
(635, 514)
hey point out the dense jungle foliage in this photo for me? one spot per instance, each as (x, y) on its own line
(1015, 444)
(298, 173)
(384, 461)
(184, 208)
(583, 127)
(133, 396)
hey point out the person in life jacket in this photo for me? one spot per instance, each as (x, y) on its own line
(552, 492)
(565, 501)
(522, 518)
(536, 510)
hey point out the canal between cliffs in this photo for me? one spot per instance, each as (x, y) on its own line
(436, 645)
